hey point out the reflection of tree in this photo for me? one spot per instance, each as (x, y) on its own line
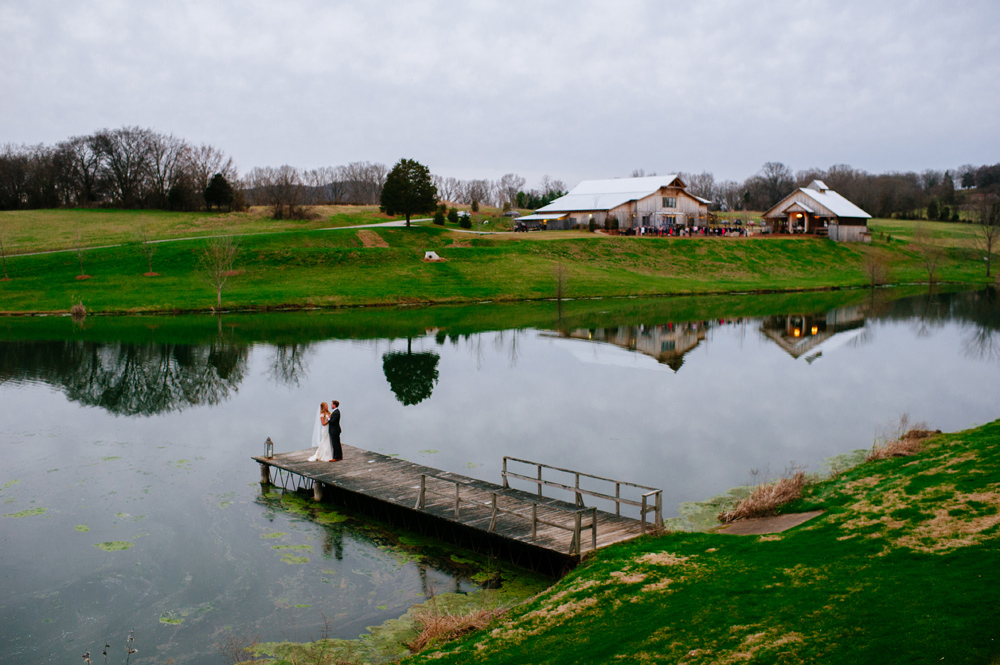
(129, 379)
(984, 314)
(411, 375)
(288, 366)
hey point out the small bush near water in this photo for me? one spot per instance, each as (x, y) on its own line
(436, 627)
(903, 440)
(766, 498)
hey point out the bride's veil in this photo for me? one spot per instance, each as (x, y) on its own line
(316, 428)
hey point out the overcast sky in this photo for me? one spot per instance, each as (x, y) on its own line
(477, 89)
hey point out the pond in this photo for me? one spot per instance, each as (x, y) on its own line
(129, 499)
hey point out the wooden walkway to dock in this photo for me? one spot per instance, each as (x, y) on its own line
(564, 528)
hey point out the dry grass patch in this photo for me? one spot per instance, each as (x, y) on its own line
(371, 239)
(766, 498)
(663, 559)
(909, 444)
(436, 628)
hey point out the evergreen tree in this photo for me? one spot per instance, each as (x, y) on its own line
(408, 190)
(219, 193)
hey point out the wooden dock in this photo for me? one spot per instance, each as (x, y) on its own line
(510, 522)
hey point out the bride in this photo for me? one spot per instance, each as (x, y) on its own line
(321, 436)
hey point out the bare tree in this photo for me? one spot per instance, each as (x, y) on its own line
(204, 162)
(875, 265)
(987, 236)
(144, 238)
(168, 156)
(217, 263)
(4, 246)
(79, 248)
(931, 253)
(508, 186)
(477, 191)
(125, 156)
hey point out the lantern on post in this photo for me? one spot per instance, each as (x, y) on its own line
(270, 448)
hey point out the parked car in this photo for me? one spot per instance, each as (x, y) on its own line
(512, 213)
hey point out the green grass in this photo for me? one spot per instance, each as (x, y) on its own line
(333, 269)
(901, 568)
(47, 230)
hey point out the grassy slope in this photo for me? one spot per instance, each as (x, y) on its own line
(333, 268)
(43, 230)
(902, 568)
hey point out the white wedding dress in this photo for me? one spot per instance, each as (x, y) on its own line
(321, 441)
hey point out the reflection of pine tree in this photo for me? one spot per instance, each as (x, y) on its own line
(411, 375)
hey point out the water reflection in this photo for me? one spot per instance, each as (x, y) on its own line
(153, 378)
(129, 379)
(411, 375)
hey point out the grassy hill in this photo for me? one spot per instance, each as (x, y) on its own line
(299, 264)
(901, 568)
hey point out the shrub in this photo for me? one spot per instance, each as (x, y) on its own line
(453, 216)
(465, 222)
(593, 224)
(437, 628)
(766, 498)
(439, 218)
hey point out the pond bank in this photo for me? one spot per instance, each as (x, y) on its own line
(901, 567)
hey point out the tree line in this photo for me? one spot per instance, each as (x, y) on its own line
(934, 195)
(134, 167)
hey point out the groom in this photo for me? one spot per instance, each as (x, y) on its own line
(334, 426)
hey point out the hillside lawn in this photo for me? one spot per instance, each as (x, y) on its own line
(278, 267)
(902, 567)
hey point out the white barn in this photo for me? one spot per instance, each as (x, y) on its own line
(819, 210)
(652, 201)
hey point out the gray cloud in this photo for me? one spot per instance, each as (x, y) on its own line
(575, 89)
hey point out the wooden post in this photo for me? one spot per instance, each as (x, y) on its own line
(618, 495)
(643, 513)
(493, 519)
(504, 474)
(593, 528)
(423, 488)
(265, 474)
(659, 510)
(579, 497)
(539, 480)
(574, 547)
(457, 500)
(534, 520)
(317, 490)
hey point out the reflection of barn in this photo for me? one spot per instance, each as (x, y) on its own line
(666, 343)
(801, 334)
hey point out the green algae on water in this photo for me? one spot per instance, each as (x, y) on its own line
(301, 548)
(115, 545)
(31, 512)
(10, 483)
(273, 534)
(82, 528)
(173, 621)
(292, 559)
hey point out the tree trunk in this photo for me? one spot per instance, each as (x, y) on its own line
(407, 220)
(218, 295)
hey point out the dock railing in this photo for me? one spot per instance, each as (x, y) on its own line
(650, 502)
(576, 528)
(425, 490)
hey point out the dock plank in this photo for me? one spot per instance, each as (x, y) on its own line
(396, 482)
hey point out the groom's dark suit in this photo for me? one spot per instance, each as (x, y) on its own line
(334, 427)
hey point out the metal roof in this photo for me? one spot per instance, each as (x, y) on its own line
(537, 216)
(608, 194)
(829, 199)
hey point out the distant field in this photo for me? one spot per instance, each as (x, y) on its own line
(42, 230)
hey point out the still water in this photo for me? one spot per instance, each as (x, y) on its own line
(129, 501)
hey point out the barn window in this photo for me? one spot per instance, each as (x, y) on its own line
(669, 201)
